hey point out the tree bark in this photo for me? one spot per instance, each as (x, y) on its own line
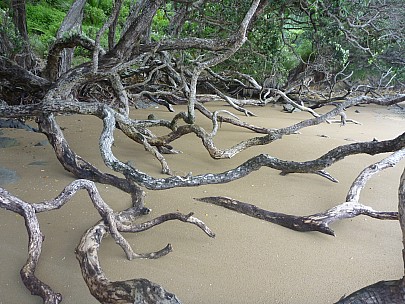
(315, 222)
(25, 58)
(131, 291)
(320, 221)
(120, 292)
(392, 292)
(81, 168)
(384, 291)
(72, 23)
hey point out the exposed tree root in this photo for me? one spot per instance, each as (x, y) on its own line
(255, 163)
(35, 239)
(319, 221)
(105, 291)
(384, 291)
(170, 77)
(131, 291)
(392, 292)
(83, 169)
(381, 292)
(315, 222)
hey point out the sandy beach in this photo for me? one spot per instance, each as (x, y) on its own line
(249, 261)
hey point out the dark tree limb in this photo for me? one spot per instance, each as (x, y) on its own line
(21, 78)
(384, 291)
(128, 45)
(35, 239)
(65, 45)
(315, 222)
(105, 291)
(255, 163)
(81, 168)
(297, 223)
(131, 291)
(392, 292)
(319, 221)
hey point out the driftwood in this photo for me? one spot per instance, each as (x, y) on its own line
(59, 90)
(315, 222)
(392, 292)
(319, 221)
(131, 291)
(142, 290)
(35, 239)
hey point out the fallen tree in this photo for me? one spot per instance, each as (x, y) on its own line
(136, 69)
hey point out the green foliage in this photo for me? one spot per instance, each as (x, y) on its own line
(45, 16)
(43, 22)
(218, 19)
(12, 42)
(57, 4)
(4, 6)
(161, 23)
(94, 18)
(96, 13)
(283, 36)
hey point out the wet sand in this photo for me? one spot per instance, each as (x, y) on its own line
(249, 261)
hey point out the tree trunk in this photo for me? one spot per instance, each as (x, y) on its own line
(25, 58)
(71, 23)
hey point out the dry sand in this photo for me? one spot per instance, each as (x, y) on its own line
(249, 261)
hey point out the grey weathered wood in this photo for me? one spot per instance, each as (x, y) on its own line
(131, 291)
(392, 292)
(320, 221)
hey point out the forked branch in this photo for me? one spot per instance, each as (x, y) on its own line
(138, 290)
(319, 221)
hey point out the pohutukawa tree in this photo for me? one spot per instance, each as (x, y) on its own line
(305, 55)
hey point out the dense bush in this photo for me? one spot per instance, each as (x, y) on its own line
(282, 37)
(43, 21)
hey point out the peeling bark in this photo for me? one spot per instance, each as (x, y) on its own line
(81, 168)
(105, 291)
